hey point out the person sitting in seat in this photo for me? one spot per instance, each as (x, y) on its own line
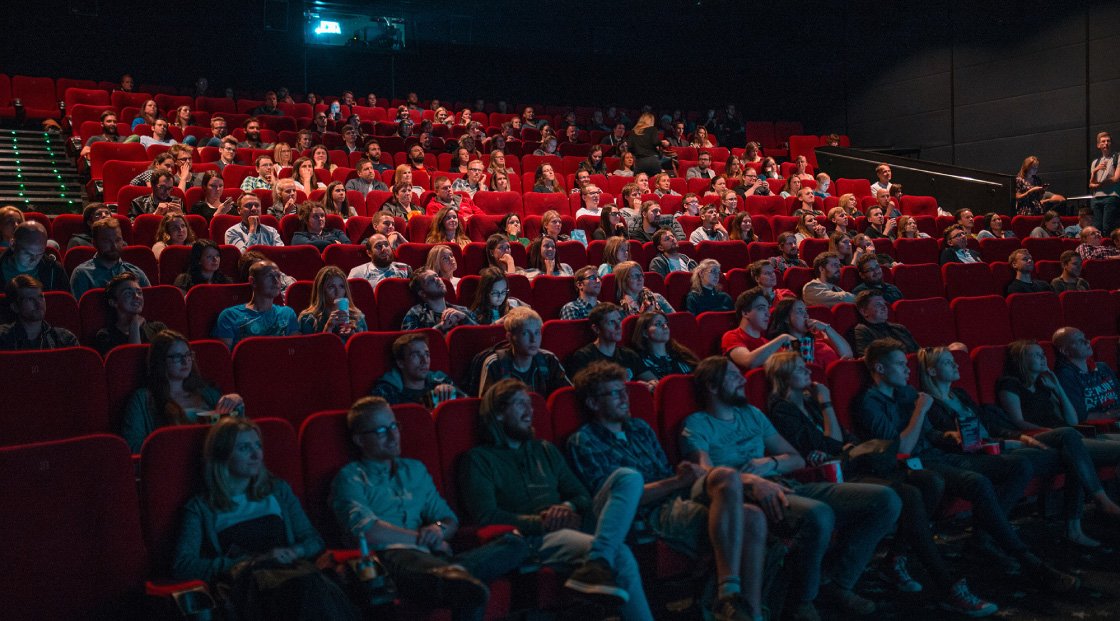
(173, 230)
(808, 228)
(253, 140)
(1091, 247)
(381, 264)
(710, 229)
(202, 267)
(512, 478)
(161, 134)
(824, 290)
(1023, 265)
(787, 253)
(606, 323)
(327, 312)
(268, 108)
(524, 359)
(312, 228)
(873, 309)
(878, 224)
(703, 168)
(400, 203)
(174, 393)
(706, 292)
(806, 203)
(691, 509)
(367, 180)
(1070, 279)
(956, 247)
(432, 309)
(474, 181)
(491, 300)
(260, 316)
(245, 514)
(649, 222)
(729, 432)
(124, 301)
(747, 345)
(28, 254)
(392, 504)
(542, 259)
(412, 380)
(160, 202)
(266, 175)
(891, 409)
(90, 214)
(98, 271)
(659, 352)
(633, 295)
(1091, 385)
(251, 231)
(24, 297)
(669, 259)
(819, 343)
(871, 276)
(588, 287)
(108, 133)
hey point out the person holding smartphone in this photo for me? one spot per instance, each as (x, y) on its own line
(160, 202)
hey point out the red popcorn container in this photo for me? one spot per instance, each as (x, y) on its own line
(991, 448)
(831, 471)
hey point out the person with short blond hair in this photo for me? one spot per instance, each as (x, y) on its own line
(524, 359)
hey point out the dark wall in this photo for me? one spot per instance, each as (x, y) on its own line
(985, 85)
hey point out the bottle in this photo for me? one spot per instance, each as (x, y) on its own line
(366, 570)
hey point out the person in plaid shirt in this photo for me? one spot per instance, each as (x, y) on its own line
(588, 284)
(680, 504)
(264, 180)
(539, 368)
(1091, 247)
(433, 311)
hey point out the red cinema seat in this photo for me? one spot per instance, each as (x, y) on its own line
(919, 281)
(162, 303)
(1035, 316)
(1044, 248)
(71, 525)
(763, 250)
(1102, 273)
(464, 342)
(564, 336)
(102, 152)
(810, 248)
(85, 97)
(993, 250)
(536, 203)
(928, 320)
(968, 280)
(291, 377)
(40, 101)
(1089, 311)
(345, 256)
(846, 378)
(40, 409)
(859, 187)
(730, 254)
(987, 367)
(206, 302)
(370, 355)
(711, 327)
(911, 251)
(1105, 350)
(173, 261)
(171, 473)
(797, 277)
(982, 320)
(551, 293)
(918, 206)
(675, 398)
(299, 262)
(393, 301)
(499, 203)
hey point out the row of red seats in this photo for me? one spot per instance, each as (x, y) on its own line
(344, 372)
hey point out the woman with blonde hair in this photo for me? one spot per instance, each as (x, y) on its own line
(283, 198)
(633, 296)
(908, 228)
(498, 163)
(446, 228)
(173, 230)
(840, 221)
(335, 202)
(644, 144)
(841, 244)
(441, 260)
(1031, 195)
(404, 173)
(499, 182)
(706, 293)
(753, 153)
(616, 251)
(282, 156)
(808, 228)
(850, 204)
(552, 225)
(326, 311)
(303, 173)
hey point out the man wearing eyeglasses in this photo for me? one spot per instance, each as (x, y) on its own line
(588, 284)
(872, 275)
(412, 380)
(752, 185)
(227, 153)
(217, 133)
(524, 359)
(473, 182)
(956, 245)
(28, 255)
(1091, 247)
(392, 503)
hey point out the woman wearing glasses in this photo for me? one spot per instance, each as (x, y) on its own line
(175, 392)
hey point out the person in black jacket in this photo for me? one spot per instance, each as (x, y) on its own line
(643, 143)
(28, 255)
(956, 247)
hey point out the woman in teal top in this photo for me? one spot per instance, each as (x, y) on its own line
(325, 314)
(176, 393)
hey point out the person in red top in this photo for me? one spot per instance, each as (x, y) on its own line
(819, 344)
(747, 345)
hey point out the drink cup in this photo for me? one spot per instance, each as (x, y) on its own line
(831, 471)
(343, 304)
(991, 448)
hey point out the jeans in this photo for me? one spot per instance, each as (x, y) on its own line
(1078, 462)
(1106, 213)
(614, 507)
(861, 515)
(487, 563)
(1010, 474)
(978, 490)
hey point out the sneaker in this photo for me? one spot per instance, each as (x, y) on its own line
(595, 578)
(805, 611)
(989, 548)
(1053, 580)
(961, 600)
(732, 608)
(896, 574)
(846, 600)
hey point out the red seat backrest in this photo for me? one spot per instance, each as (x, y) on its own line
(968, 280)
(1035, 316)
(711, 327)
(675, 398)
(730, 254)
(299, 262)
(859, 187)
(499, 203)
(1092, 312)
(161, 303)
(918, 205)
(919, 281)
(846, 378)
(927, 320)
(536, 203)
(206, 302)
(987, 366)
(464, 342)
(262, 364)
(37, 408)
(982, 320)
(562, 337)
(914, 251)
(551, 293)
(73, 501)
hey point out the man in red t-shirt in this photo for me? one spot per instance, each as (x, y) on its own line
(747, 345)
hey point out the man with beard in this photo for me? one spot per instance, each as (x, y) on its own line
(606, 323)
(432, 310)
(381, 264)
(512, 478)
(24, 295)
(320, 123)
(260, 316)
(108, 132)
(823, 290)
(692, 509)
(107, 263)
(367, 180)
(159, 202)
(253, 135)
(373, 154)
(268, 108)
(416, 157)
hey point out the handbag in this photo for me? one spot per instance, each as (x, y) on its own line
(875, 458)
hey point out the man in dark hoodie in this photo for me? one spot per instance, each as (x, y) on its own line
(512, 478)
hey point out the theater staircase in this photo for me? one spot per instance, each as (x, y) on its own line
(36, 175)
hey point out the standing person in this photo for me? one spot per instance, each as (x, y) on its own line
(644, 144)
(1031, 195)
(732, 433)
(242, 514)
(1104, 183)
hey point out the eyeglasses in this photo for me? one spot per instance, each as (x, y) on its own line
(382, 431)
(591, 277)
(180, 358)
(612, 393)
